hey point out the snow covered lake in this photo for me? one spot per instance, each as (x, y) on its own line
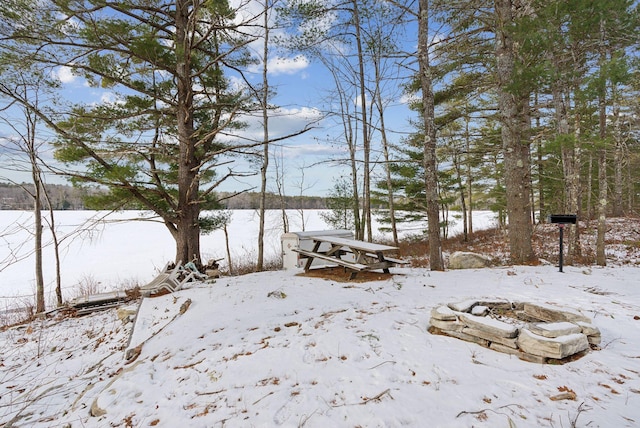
(119, 250)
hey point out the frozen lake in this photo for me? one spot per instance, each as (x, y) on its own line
(119, 249)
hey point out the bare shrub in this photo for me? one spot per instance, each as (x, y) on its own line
(19, 311)
(247, 263)
(87, 285)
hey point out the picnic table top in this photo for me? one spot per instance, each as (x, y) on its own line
(353, 243)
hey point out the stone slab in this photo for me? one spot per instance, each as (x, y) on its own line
(496, 304)
(554, 329)
(479, 310)
(511, 343)
(467, 337)
(464, 306)
(504, 349)
(443, 313)
(589, 329)
(490, 325)
(532, 358)
(550, 313)
(446, 325)
(558, 348)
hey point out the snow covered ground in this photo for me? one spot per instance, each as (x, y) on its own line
(276, 349)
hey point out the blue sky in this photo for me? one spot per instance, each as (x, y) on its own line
(303, 90)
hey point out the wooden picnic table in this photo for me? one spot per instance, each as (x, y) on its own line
(366, 255)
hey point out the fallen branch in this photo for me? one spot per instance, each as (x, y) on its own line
(364, 400)
(382, 363)
(188, 366)
(465, 412)
(260, 399)
(210, 393)
(377, 397)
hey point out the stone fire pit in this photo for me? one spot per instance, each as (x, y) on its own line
(533, 332)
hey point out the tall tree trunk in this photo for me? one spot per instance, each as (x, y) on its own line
(428, 116)
(265, 138)
(56, 247)
(573, 161)
(601, 258)
(385, 151)
(463, 199)
(366, 143)
(513, 112)
(618, 163)
(37, 216)
(469, 178)
(188, 213)
(589, 191)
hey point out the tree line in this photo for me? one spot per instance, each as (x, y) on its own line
(66, 197)
(532, 104)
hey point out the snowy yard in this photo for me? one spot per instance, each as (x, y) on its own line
(319, 353)
(282, 349)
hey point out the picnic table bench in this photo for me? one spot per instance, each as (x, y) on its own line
(366, 255)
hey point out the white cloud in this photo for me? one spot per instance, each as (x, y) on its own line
(64, 74)
(287, 65)
(279, 65)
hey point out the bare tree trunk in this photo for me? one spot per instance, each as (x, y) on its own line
(601, 257)
(37, 215)
(618, 164)
(281, 195)
(56, 248)
(385, 151)
(226, 243)
(589, 191)
(514, 120)
(366, 143)
(463, 200)
(469, 180)
(573, 160)
(428, 116)
(265, 139)
(630, 187)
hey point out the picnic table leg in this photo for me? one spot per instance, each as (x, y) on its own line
(307, 265)
(381, 259)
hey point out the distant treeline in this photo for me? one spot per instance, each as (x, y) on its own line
(65, 197)
(62, 197)
(252, 201)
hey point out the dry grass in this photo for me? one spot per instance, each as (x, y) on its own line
(622, 241)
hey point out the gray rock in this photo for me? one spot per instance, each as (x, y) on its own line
(589, 329)
(554, 314)
(559, 347)
(443, 313)
(482, 334)
(479, 310)
(446, 325)
(464, 306)
(490, 325)
(554, 329)
(468, 260)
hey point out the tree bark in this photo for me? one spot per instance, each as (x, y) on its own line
(188, 211)
(366, 143)
(428, 116)
(265, 138)
(513, 112)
